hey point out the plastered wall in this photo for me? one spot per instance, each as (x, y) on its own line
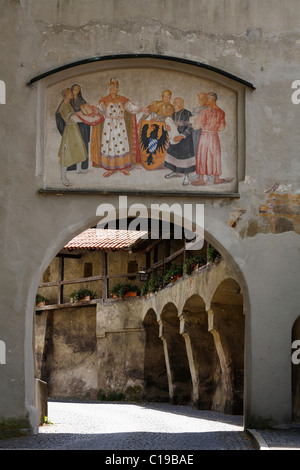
(256, 41)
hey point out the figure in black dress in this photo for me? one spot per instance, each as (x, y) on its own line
(180, 157)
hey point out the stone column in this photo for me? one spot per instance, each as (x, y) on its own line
(201, 354)
(225, 362)
(167, 361)
(178, 372)
(191, 360)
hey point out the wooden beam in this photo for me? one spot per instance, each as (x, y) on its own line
(104, 276)
(68, 255)
(166, 254)
(88, 303)
(168, 259)
(48, 284)
(84, 279)
(60, 292)
(112, 276)
(69, 305)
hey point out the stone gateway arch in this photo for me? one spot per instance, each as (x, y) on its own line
(80, 64)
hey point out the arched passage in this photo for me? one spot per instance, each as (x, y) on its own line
(179, 377)
(203, 360)
(155, 373)
(296, 373)
(91, 347)
(196, 355)
(180, 389)
(228, 329)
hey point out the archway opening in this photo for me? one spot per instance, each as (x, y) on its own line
(155, 372)
(74, 352)
(229, 334)
(203, 359)
(96, 355)
(180, 383)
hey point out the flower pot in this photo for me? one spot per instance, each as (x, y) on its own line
(131, 294)
(85, 299)
(40, 304)
(176, 278)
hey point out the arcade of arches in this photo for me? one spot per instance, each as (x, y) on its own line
(203, 349)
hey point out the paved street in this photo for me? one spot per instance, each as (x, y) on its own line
(121, 426)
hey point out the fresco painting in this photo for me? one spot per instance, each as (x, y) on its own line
(165, 142)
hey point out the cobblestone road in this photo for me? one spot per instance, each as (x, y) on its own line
(121, 426)
(288, 439)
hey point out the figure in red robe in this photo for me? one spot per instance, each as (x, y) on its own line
(208, 159)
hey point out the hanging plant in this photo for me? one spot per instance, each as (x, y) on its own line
(193, 263)
(174, 273)
(212, 254)
(145, 288)
(155, 283)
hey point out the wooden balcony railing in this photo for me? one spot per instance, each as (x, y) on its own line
(104, 277)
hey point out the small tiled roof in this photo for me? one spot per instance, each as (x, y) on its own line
(105, 239)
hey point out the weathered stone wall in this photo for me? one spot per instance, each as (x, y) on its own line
(121, 350)
(256, 233)
(66, 352)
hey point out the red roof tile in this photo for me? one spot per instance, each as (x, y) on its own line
(102, 239)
